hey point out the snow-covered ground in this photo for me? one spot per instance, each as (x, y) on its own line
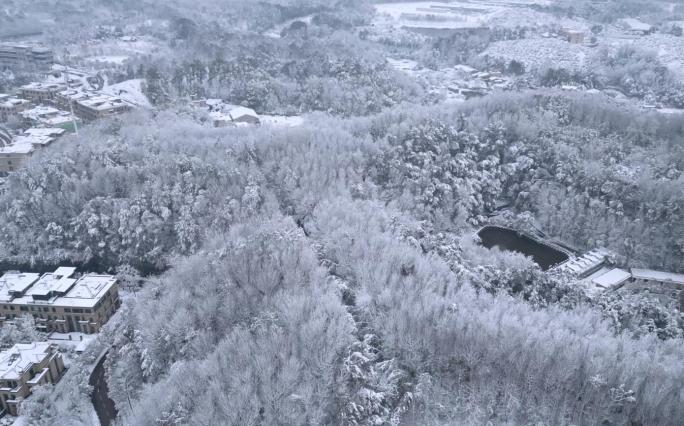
(130, 91)
(113, 51)
(77, 341)
(281, 120)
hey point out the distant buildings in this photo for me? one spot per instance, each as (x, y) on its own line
(58, 301)
(659, 278)
(47, 116)
(91, 105)
(15, 150)
(612, 279)
(572, 36)
(10, 107)
(635, 26)
(40, 92)
(223, 114)
(587, 264)
(595, 271)
(24, 366)
(14, 55)
(13, 155)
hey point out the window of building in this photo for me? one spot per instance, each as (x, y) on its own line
(23, 308)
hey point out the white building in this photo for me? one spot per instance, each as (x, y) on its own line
(11, 106)
(635, 26)
(587, 264)
(25, 366)
(16, 55)
(48, 116)
(665, 279)
(58, 301)
(612, 279)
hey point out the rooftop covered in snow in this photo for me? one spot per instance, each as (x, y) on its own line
(20, 357)
(660, 276)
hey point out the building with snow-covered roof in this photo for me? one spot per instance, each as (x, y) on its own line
(15, 150)
(12, 153)
(587, 264)
(17, 55)
(90, 104)
(100, 106)
(635, 26)
(24, 366)
(58, 301)
(15, 283)
(48, 116)
(11, 106)
(39, 138)
(665, 279)
(40, 92)
(612, 279)
(232, 115)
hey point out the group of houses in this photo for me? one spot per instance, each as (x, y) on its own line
(472, 83)
(596, 270)
(15, 150)
(48, 110)
(60, 302)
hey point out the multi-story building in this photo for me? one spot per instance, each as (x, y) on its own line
(100, 106)
(658, 278)
(57, 301)
(15, 150)
(588, 263)
(40, 92)
(14, 155)
(48, 116)
(24, 366)
(11, 107)
(14, 55)
(90, 105)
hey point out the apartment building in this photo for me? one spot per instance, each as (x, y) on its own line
(48, 116)
(40, 92)
(658, 278)
(15, 150)
(14, 55)
(14, 155)
(58, 301)
(11, 107)
(91, 105)
(24, 366)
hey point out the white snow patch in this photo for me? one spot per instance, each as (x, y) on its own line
(281, 120)
(130, 91)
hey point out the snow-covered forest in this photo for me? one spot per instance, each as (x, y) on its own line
(329, 271)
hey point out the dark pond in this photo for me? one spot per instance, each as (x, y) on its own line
(508, 239)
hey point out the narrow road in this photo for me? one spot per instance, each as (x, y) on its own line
(104, 406)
